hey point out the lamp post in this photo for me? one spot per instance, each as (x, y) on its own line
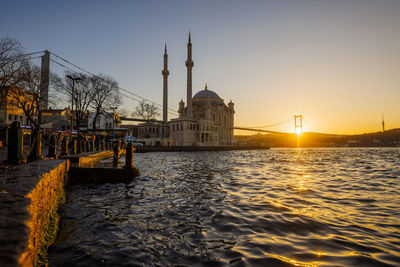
(74, 79)
(113, 108)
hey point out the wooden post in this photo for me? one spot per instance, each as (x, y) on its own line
(64, 146)
(80, 145)
(15, 144)
(102, 143)
(36, 139)
(116, 152)
(90, 142)
(73, 146)
(84, 147)
(87, 145)
(52, 147)
(129, 156)
(96, 143)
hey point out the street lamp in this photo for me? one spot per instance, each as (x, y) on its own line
(74, 79)
(113, 108)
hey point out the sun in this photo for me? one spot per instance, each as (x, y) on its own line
(298, 131)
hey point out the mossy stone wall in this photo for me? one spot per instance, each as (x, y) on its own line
(30, 195)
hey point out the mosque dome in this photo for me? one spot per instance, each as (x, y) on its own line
(206, 93)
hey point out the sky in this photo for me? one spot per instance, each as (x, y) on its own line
(336, 62)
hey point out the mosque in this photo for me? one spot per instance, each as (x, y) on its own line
(205, 120)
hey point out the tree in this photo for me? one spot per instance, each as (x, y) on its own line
(105, 95)
(12, 65)
(123, 112)
(83, 94)
(26, 95)
(146, 111)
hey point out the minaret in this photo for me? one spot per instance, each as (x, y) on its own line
(208, 105)
(383, 124)
(165, 74)
(189, 66)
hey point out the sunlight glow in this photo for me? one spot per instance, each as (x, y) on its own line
(298, 131)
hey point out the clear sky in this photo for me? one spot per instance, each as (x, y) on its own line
(335, 62)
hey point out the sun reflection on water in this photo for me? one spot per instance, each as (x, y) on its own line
(302, 207)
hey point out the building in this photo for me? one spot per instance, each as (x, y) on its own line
(154, 133)
(104, 121)
(10, 110)
(56, 119)
(206, 120)
(211, 122)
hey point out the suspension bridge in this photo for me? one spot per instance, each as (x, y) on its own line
(48, 56)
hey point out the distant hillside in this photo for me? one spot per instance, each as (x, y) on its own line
(310, 139)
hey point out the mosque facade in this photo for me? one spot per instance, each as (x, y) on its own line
(205, 119)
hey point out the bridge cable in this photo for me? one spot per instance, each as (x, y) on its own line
(88, 72)
(129, 97)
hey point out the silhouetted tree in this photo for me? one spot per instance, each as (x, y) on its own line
(83, 94)
(12, 65)
(26, 96)
(123, 112)
(146, 111)
(105, 95)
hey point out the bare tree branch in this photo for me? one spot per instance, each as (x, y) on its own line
(83, 94)
(146, 111)
(105, 95)
(12, 65)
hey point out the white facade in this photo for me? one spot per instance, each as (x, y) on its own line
(211, 123)
(104, 120)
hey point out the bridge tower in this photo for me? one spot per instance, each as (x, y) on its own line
(298, 123)
(44, 80)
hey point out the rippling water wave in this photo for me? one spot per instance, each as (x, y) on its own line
(280, 207)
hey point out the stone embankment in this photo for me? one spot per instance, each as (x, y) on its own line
(85, 172)
(30, 195)
(89, 159)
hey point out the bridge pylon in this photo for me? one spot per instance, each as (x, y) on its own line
(298, 123)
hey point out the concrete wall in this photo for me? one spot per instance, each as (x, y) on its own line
(30, 195)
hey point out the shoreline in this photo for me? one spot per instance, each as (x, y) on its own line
(194, 149)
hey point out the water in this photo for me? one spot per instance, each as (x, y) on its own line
(281, 207)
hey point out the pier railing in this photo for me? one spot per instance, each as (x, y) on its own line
(23, 146)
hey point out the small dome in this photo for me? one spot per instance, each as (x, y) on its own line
(206, 93)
